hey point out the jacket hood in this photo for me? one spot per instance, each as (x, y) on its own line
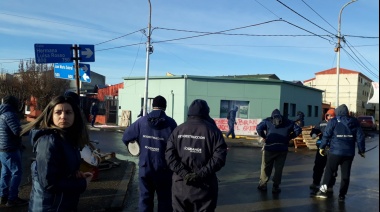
(5, 108)
(200, 108)
(236, 108)
(342, 110)
(157, 119)
(276, 113)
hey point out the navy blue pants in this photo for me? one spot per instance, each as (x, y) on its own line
(151, 182)
(345, 163)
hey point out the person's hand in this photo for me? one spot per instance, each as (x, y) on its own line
(88, 176)
(235, 123)
(313, 136)
(322, 152)
(192, 178)
(362, 154)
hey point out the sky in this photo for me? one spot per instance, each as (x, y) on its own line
(293, 39)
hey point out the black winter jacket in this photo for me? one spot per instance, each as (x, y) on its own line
(277, 137)
(10, 129)
(55, 187)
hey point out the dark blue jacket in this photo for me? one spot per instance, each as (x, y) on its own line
(318, 130)
(10, 129)
(277, 137)
(55, 187)
(342, 132)
(152, 132)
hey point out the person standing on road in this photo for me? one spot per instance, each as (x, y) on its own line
(342, 132)
(276, 132)
(10, 153)
(231, 116)
(57, 139)
(94, 112)
(300, 119)
(196, 150)
(320, 161)
(152, 132)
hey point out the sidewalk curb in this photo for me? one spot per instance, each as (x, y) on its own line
(118, 202)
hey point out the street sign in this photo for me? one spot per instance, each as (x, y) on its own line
(53, 53)
(87, 53)
(84, 72)
(64, 71)
(67, 71)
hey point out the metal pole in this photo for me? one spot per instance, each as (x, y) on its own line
(148, 51)
(76, 64)
(337, 49)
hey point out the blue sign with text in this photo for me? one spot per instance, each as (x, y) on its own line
(53, 53)
(87, 53)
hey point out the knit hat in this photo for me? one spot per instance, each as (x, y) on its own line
(12, 101)
(159, 102)
(331, 112)
(199, 107)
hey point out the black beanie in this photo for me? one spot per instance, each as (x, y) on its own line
(12, 101)
(159, 102)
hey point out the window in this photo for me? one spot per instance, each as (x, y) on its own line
(316, 111)
(309, 110)
(227, 105)
(293, 109)
(285, 111)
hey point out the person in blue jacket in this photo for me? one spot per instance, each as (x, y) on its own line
(196, 150)
(57, 136)
(276, 132)
(152, 132)
(343, 132)
(231, 116)
(10, 153)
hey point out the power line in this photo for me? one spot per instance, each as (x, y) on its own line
(318, 14)
(121, 36)
(304, 17)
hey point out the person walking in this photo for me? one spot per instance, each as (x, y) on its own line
(300, 119)
(94, 112)
(152, 132)
(10, 153)
(57, 136)
(276, 132)
(342, 132)
(320, 161)
(196, 150)
(231, 116)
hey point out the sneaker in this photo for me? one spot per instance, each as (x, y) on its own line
(16, 202)
(313, 186)
(330, 190)
(3, 200)
(341, 198)
(276, 190)
(262, 187)
(321, 194)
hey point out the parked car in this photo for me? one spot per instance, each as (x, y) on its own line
(367, 122)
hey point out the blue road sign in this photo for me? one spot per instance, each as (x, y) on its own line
(87, 53)
(64, 71)
(53, 53)
(84, 72)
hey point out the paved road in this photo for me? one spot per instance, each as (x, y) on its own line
(239, 178)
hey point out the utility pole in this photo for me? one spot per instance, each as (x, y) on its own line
(149, 50)
(337, 49)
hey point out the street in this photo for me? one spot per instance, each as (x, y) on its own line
(240, 176)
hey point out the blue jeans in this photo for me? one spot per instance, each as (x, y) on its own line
(11, 172)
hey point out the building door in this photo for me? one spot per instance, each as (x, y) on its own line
(111, 110)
